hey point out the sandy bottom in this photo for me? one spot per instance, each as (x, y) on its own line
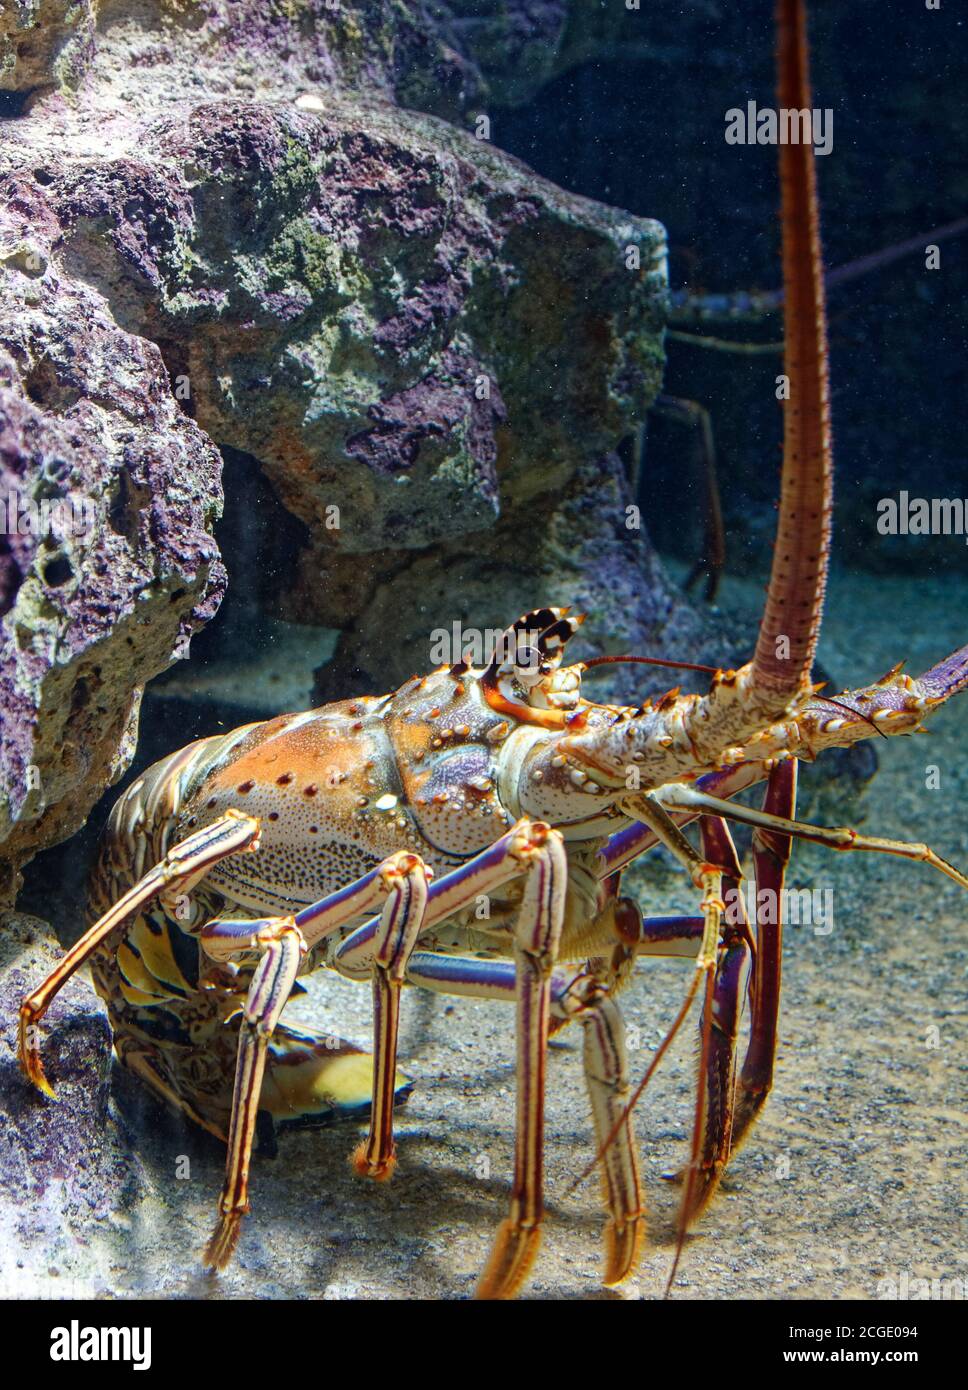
(855, 1174)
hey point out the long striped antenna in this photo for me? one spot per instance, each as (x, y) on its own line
(794, 601)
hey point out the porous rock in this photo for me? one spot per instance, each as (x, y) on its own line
(66, 1173)
(232, 228)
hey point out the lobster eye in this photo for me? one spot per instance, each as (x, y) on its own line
(528, 664)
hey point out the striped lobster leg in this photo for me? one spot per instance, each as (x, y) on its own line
(708, 876)
(730, 1104)
(179, 870)
(719, 1028)
(774, 826)
(382, 948)
(681, 798)
(580, 998)
(400, 924)
(771, 855)
(722, 962)
(606, 1076)
(283, 948)
(537, 936)
(403, 880)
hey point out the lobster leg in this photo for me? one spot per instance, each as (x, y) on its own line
(678, 798)
(529, 848)
(272, 982)
(221, 937)
(720, 1024)
(403, 878)
(626, 845)
(669, 936)
(384, 949)
(579, 998)
(508, 858)
(182, 866)
(774, 826)
(712, 560)
(537, 934)
(606, 1076)
(400, 923)
(771, 855)
(708, 877)
(682, 936)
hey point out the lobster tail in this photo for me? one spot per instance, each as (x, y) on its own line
(794, 604)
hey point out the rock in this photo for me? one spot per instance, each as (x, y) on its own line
(582, 548)
(66, 1175)
(373, 305)
(44, 42)
(431, 55)
(96, 595)
(418, 340)
(229, 236)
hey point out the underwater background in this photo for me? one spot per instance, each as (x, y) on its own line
(291, 210)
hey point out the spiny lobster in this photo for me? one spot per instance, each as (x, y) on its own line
(363, 837)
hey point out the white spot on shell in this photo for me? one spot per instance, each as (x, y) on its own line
(386, 803)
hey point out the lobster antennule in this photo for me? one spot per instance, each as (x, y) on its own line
(794, 601)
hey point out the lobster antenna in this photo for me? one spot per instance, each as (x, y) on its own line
(794, 602)
(798, 578)
(648, 661)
